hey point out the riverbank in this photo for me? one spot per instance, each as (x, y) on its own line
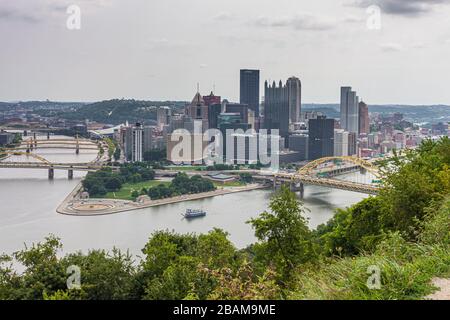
(75, 206)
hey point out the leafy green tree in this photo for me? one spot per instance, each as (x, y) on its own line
(104, 276)
(412, 184)
(352, 230)
(215, 250)
(134, 194)
(114, 183)
(246, 177)
(155, 155)
(42, 272)
(283, 234)
(117, 153)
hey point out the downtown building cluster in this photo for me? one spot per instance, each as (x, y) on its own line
(300, 135)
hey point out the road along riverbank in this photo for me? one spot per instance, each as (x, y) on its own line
(75, 206)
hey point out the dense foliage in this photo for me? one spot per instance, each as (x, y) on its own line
(106, 180)
(404, 232)
(156, 155)
(180, 185)
(413, 183)
(117, 111)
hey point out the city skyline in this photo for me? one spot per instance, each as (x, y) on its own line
(245, 151)
(133, 51)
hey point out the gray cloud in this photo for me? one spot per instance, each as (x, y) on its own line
(391, 47)
(225, 16)
(41, 10)
(9, 14)
(304, 21)
(402, 7)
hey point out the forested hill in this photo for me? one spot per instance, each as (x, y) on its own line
(417, 113)
(118, 111)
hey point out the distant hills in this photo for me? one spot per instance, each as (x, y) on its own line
(417, 114)
(118, 111)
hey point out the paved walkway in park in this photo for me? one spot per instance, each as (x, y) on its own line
(75, 206)
(444, 289)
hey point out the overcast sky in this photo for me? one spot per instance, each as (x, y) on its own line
(146, 49)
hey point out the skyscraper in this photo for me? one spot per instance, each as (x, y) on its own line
(138, 139)
(198, 110)
(349, 110)
(364, 125)
(352, 144)
(211, 99)
(276, 108)
(163, 116)
(213, 113)
(299, 143)
(249, 89)
(282, 105)
(233, 121)
(294, 87)
(340, 142)
(138, 144)
(321, 138)
(240, 108)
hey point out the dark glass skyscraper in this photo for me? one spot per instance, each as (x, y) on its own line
(321, 138)
(213, 113)
(249, 92)
(276, 108)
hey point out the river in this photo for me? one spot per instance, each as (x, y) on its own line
(28, 201)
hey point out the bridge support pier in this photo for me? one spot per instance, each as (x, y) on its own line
(51, 173)
(302, 190)
(296, 187)
(48, 135)
(70, 174)
(77, 150)
(275, 182)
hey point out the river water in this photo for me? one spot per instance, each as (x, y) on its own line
(28, 201)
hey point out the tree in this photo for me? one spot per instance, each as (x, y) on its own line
(283, 234)
(42, 272)
(117, 153)
(114, 183)
(104, 276)
(97, 190)
(353, 230)
(246, 177)
(215, 250)
(412, 183)
(134, 194)
(155, 155)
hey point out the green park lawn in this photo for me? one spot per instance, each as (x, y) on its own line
(229, 184)
(125, 192)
